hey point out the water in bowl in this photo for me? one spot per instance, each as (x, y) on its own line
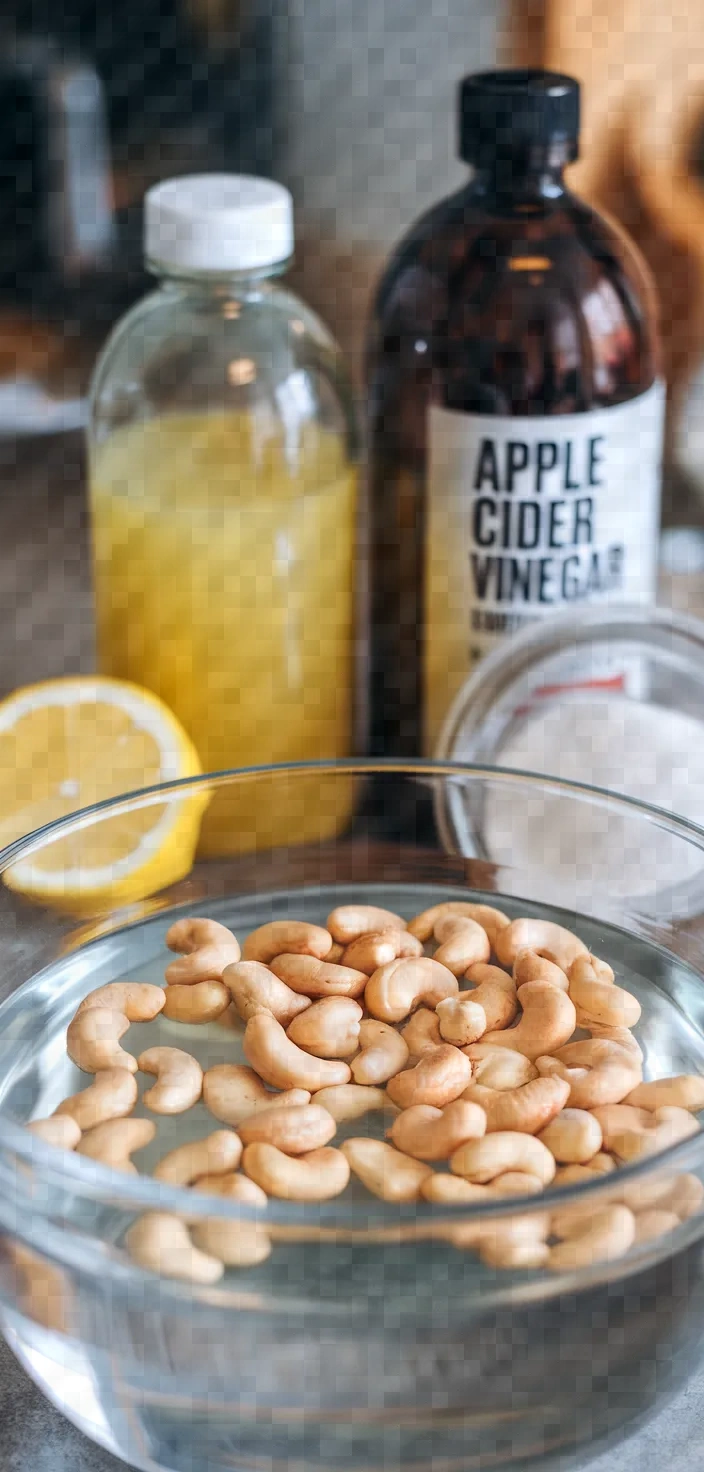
(381, 1334)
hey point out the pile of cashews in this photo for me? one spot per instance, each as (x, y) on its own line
(363, 1015)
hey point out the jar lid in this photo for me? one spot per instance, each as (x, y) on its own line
(612, 697)
(218, 223)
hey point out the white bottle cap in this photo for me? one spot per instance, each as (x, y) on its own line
(218, 223)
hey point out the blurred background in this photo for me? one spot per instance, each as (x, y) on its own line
(352, 106)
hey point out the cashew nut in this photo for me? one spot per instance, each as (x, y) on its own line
(112, 1094)
(600, 1237)
(351, 1101)
(586, 1086)
(407, 945)
(232, 1186)
(385, 1171)
(519, 1242)
(179, 1079)
(653, 1224)
(383, 1053)
(317, 1176)
(318, 978)
(396, 990)
(254, 988)
(216, 1154)
(428, 1133)
(600, 1001)
(598, 1071)
(661, 1189)
(61, 1130)
(453, 1190)
(461, 1020)
(495, 992)
(463, 943)
(609, 1072)
(685, 1091)
(205, 964)
(185, 936)
(280, 1063)
(516, 1183)
(686, 1196)
(566, 1221)
(548, 1020)
(437, 1078)
(527, 1109)
(422, 1033)
(368, 952)
(347, 922)
(574, 1175)
(236, 1244)
(286, 937)
(294, 1129)
(480, 972)
(529, 966)
(138, 1000)
(613, 1119)
(544, 936)
(574, 1138)
(499, 1068)
(92, 1041)
(161, 1243)
(483, 1160)
(491, 920)
(602, 970)
(43, 1291)
(233, 1093)
(602, 1163)
(621, 1035)
(200, 1001)
(668, 1125)
(328, 1029)
(113, 1142)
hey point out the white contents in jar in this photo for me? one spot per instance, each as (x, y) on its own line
(645, 751)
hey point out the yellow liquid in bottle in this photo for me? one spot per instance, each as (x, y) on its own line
(224, 581)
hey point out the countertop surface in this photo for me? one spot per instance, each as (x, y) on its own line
(46, 615)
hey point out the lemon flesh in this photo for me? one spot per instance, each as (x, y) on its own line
(66, 744)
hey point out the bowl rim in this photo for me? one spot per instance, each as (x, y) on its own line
(429, 767)
(66, 1170)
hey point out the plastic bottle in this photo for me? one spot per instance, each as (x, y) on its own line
(223, 495)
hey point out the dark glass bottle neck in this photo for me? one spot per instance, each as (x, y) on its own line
(522, 177)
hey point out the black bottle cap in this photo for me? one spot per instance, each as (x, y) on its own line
(504, 112)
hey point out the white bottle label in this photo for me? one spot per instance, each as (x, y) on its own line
(527, 516)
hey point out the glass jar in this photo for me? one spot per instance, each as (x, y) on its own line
(223, 487)
(613, 697)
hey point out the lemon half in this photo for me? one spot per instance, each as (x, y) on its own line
(66, 744)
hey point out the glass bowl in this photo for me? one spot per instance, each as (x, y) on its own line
(368, 1338)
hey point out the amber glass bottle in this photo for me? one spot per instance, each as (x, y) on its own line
(515, 413)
